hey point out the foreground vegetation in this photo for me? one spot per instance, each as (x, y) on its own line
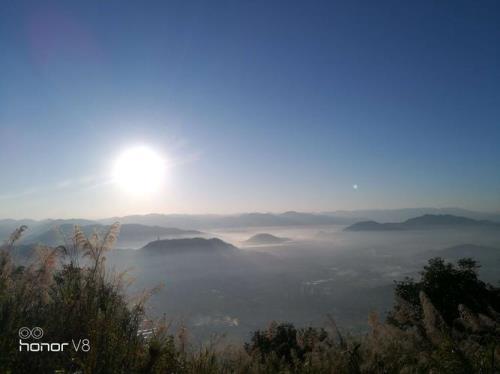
(448, 321)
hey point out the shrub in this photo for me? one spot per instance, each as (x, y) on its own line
(69, 294)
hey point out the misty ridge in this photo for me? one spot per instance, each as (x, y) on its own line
(232, 274)
(265, 239)
(425, 222)
(207, 221)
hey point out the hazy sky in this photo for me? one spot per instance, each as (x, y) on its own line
(258, 105)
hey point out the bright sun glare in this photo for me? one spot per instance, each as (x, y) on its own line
(139, 171)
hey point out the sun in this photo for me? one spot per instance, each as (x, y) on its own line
(140, 171)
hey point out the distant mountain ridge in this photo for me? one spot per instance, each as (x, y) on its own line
(293, 218)
(131, 235)
(402, 214)
(427, 221)
(7, 226)
(208, 221)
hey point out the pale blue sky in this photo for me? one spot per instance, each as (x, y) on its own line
(261, 105)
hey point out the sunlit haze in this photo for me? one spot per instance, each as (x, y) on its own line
(140, 171)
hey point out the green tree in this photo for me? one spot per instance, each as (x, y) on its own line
(448, 285)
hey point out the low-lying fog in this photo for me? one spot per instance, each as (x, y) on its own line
(320, 270)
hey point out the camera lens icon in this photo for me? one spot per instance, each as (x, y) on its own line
(35, 333)
(24, 333)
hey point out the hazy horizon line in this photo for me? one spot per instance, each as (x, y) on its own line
(329, 211)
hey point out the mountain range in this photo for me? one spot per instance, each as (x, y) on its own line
(131, 235)
(425, 222)
(400, 215)
(211, 221)
(237, 220)
(292, 218)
